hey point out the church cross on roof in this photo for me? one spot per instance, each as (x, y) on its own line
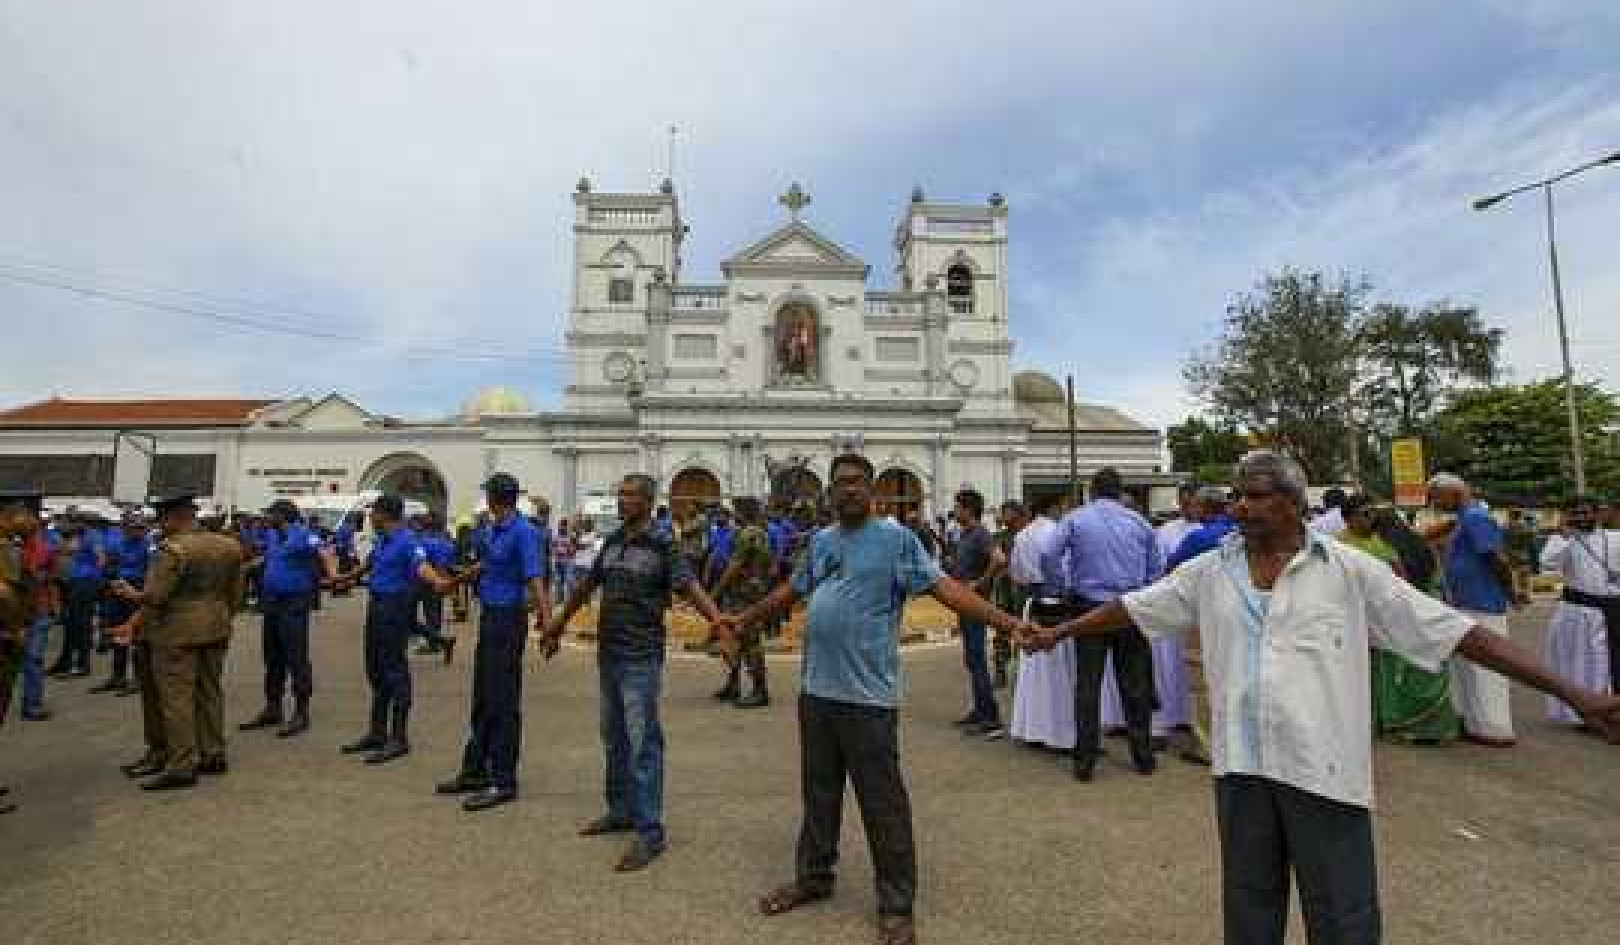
(795, 199)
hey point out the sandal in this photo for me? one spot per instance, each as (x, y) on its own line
(896, 930)
(792, 896)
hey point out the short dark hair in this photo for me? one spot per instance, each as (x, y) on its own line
(1334, 498)
(644, 484)
(852, 459)
(747, 507)
(1014, 507)
(972, 500)
(1106, 482)
(1356, 503)
(390, 505)
(1044, 502)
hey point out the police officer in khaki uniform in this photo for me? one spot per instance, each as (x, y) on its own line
(192, 589)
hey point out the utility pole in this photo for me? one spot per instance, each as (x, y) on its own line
(1074, 446)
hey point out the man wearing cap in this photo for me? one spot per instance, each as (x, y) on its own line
(292, 565)
(85, 577)
(128, 558)
(396, 563)
(510, 562)
(193, 587)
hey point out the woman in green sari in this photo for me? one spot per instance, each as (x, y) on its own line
(1409, 704)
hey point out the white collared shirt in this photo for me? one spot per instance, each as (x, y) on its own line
(1028, 547)
(1588, 561)
(1289, 683)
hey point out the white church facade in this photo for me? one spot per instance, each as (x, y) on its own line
(745, 386)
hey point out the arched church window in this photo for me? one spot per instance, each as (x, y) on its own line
(959, 289)
(621, 290)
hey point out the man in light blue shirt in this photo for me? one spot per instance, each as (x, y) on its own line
(1109, 549)
(857, 576)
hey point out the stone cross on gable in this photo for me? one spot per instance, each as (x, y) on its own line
(795, 199)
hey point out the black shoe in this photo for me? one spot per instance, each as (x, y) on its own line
(991, 731)
(213, 766)
(1085, 771)
(462, 784)
(389, 750)
(758, 699)
(111, 685)
(602, 826)
(38, 715)
(269, 718)
(728, 693)
(147, 766)
(367, 743)
(297, 725)
(638, 856)
(983, 728)
(171, 781)
(1144, 764)
(489, 797)
(968, 721)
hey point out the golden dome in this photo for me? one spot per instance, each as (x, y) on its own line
(495, 400)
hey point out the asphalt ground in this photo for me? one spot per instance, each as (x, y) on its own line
(298, 844)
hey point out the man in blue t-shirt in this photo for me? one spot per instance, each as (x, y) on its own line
(511, 565)
(127, 556)
(857, 575)
(395, 564)
(291, 565)
(1479, 582)
(85, 577)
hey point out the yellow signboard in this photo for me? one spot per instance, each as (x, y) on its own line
(1407, 472)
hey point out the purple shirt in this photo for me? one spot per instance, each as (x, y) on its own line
(1108, 550)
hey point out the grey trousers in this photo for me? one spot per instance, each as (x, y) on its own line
(1269, 829)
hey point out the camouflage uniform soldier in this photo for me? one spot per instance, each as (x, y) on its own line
(746, 581)
(193, 588)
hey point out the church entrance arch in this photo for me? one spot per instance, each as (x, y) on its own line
(410, 476)
(693, 489)
(899, 492)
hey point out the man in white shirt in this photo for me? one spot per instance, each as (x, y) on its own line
(1172, 532)
(1043, 696)
(1287, 618)
(1331, 521)
(1582, 637)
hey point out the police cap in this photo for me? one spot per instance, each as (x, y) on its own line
(502, 484)
(286, 508)
(174, 500)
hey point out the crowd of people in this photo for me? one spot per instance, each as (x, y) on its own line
(1269, 640)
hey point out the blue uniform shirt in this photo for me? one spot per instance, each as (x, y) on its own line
(343, 539)
(83, 562)
(1206, 537)
(512, 553)
(132, 554)
(1470, 583)
(440, 549)
(291, 560)
(857, 582)
(1111, 549)
(395, 556)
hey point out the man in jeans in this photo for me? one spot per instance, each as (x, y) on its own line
(638, 569)
(974, 549)
(857, 575)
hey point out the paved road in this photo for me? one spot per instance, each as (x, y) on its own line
(300, 845)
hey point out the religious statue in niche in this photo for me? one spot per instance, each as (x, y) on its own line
(797, 344)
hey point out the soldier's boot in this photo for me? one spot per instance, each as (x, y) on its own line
(731, 690)
(268, 717)
(398, 744)
(761, 694)
(298, 724)
(375, 736)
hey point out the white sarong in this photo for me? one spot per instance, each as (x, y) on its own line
(1043, 698)
(1577, 650)
(1482, 697)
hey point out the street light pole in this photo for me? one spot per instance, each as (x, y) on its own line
(1577, 450)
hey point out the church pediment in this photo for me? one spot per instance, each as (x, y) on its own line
(795, 249)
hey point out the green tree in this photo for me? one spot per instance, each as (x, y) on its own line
(1286, 367)
(1512, 442)
(1207, 450)
(1412, 361)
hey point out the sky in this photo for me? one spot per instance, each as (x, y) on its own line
(387, 183)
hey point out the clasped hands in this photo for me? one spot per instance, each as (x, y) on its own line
(1034, 638)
